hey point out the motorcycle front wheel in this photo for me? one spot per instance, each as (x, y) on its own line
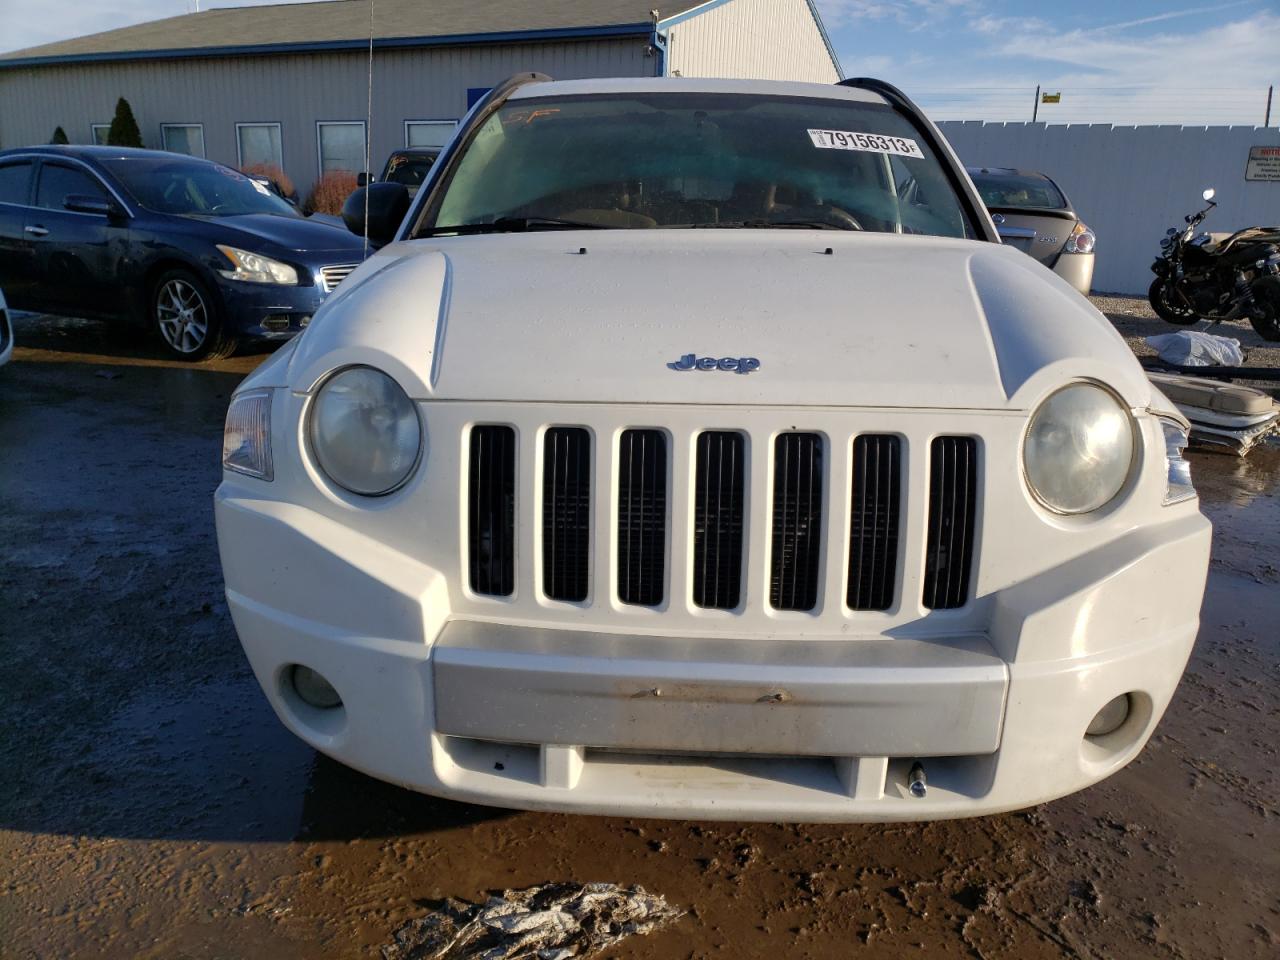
(1267, 295)
(1168, 306)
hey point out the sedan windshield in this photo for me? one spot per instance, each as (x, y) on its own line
(1015, 190)
(407, 169)
(193, 188)
(697, 160)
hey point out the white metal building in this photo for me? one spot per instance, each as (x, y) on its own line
(286, 85)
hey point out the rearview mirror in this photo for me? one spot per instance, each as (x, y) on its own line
(1209, 194)
(387, 204)
(100, 206)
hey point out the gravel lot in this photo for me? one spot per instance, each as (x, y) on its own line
(1134, 318)
(153, 807)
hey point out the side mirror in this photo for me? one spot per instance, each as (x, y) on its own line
(102, 207)
(387, 202)
(1209, 194)
(363, 179)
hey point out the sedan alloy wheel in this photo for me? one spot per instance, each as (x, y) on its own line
(182, 315)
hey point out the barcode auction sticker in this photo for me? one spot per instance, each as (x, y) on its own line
(868, 142)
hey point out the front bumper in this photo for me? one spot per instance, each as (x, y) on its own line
(266, 310)
(822, 728)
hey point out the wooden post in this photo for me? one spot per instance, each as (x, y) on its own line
(1035, 109)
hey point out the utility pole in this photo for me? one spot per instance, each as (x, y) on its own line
(1035, 108)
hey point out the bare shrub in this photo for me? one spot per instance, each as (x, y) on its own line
(330, 192)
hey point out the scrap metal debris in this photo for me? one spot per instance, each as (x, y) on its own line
(554, 921)
(1222, 415)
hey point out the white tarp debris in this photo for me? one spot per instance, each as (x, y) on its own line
(1191, 348)
(555, 921)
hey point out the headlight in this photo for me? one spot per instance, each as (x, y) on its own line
(255, 268)
(246, 437)
(1079, 449)
(1176, 437)
(365, 432)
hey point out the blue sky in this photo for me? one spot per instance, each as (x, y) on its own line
(1135, 61)
(1123, 61)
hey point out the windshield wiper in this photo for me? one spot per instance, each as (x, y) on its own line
(761, 224)
(514, 225)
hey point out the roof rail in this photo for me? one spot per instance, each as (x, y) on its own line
(887, 90)
(938, 144)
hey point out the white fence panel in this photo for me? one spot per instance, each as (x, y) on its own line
(1132, 183)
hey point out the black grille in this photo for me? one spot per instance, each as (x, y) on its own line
(642, 516)
(953, 490)
(797, 521)
(717, 520)
(875, 513)
(492, 523)
(566, 513)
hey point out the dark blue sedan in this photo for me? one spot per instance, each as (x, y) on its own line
(199, 253)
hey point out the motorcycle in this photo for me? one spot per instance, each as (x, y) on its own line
(1217, 277)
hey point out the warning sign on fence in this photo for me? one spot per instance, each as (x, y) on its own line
(1264, 164)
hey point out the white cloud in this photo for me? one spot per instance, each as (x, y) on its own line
(1106, 74)
(909, 13)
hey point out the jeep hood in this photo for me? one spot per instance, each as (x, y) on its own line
(833, 319)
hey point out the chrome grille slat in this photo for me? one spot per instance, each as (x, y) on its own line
(334, 274)
(797, 521)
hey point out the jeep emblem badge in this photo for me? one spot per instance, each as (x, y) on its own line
(691, 361)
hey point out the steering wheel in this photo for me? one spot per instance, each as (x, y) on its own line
(832, 215)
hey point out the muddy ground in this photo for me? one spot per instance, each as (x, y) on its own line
(151, 806)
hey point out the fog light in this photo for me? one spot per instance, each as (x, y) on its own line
(314, 689)
(1110, 718)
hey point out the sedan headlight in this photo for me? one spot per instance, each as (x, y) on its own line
(246, 437)
(1079, 449)
(365, 431)
(255, 268)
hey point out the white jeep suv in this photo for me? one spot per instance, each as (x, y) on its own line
(696, 450)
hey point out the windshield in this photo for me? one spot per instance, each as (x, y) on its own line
(409, 170)
(1012, 190)
(187, 188)
(697, 160)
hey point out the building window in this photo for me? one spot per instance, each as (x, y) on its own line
(258, 145)
(428, 133)
(341, 147)
(185, 138)
(99, 133)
